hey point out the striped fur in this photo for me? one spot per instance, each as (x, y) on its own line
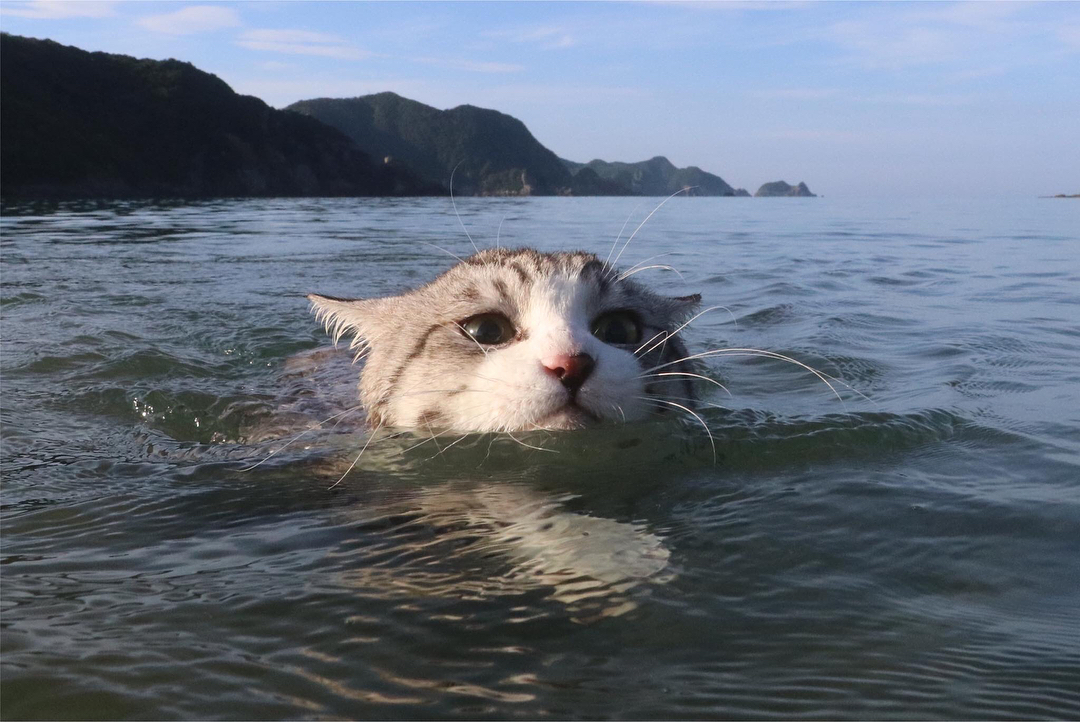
(422, 371)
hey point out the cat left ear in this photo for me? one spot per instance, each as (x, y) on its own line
(683, 306)
(345, 315)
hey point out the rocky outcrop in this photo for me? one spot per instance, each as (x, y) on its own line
(655, 177)
(778, 189)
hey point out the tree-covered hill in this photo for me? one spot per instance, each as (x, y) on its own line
(80, 124)
(780, 189)
(658, 177)
(494, 153)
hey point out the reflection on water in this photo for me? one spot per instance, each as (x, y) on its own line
(175, 546)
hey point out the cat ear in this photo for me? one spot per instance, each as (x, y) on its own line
(683, 306)
(342, 316)
(690, 302)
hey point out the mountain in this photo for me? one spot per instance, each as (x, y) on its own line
(587, 182)
(80, 124)
(494, 153)
(657, 177)
(778, 189)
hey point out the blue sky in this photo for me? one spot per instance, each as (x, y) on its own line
(856, 99)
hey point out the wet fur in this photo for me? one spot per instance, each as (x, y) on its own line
(422, 371)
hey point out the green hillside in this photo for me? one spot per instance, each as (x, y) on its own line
(80, 124)
(780, 189)
(657, 177)
(494, 153)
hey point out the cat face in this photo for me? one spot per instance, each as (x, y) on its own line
(512, 340)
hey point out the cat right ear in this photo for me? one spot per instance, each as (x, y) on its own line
(342, 316)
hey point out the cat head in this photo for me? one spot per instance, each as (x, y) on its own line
(512, 340)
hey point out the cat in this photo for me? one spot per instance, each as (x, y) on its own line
(520, 340)
(517, 340)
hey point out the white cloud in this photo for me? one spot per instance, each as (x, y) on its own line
(547, 37)
(276, 65)
(937, 100)
(290, 36)
(739, 5)
(301, 42)
(558, 94)
(1070, 35)
(814, 135)
(472, 65)
(59, 9)
(892, 44)
(192, 19)
(926, 100)
(797, 93)
(972, 35)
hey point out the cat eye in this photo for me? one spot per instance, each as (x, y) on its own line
(489, 329)
(617, 327)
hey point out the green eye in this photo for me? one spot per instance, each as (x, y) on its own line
(618, 328)
(489, 329)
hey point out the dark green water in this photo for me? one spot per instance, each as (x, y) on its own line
(915, 555)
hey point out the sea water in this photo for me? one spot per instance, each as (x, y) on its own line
(906, 547)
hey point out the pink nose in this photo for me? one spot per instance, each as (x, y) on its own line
(571, 370)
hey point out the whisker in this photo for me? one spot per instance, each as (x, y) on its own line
(654, 210)
(821, 375)
(684, 374)
(366, 444)
(655, 336)
(619, 237)
(529, 387)
(650, 258)
(428, 425)
(620, 410)
(684, 398)
(498, 234)
(708, 431)
(680, 328)
(440, 248)
(410, 389)
(627, 275)
(443, 450)
(303, 433)
(454, 203)
(529, 446)
(478, 344)
(445, 391)
(488, 454)
(427, 440)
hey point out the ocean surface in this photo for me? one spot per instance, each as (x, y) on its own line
(908, 547)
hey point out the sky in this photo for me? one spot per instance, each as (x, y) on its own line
(916, 99)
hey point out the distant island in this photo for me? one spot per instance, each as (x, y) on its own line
(78, 124)
(655, 177)
(780, 189)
